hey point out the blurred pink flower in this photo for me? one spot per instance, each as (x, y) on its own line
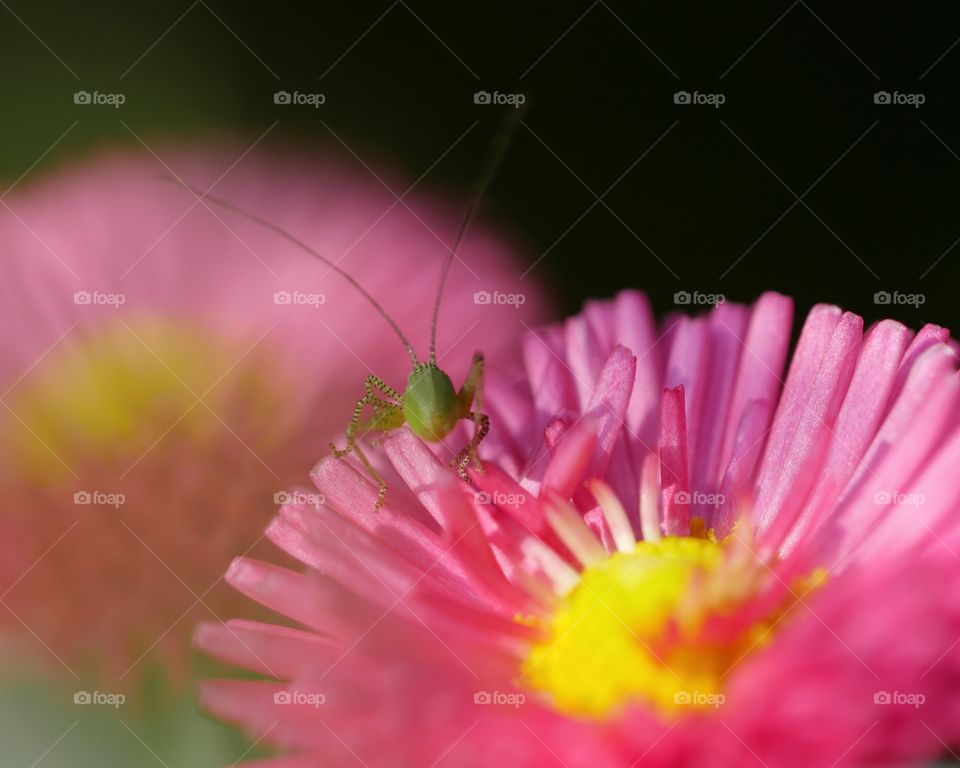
(167, 368)
(672, 558)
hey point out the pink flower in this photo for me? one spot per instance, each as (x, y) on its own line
(168, 368)
(672, 558)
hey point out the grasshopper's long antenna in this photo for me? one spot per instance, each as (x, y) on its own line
(498, 148)
(219, 201)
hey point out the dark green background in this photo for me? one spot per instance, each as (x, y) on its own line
(799, 99)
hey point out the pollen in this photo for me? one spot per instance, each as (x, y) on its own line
(108, 396)
(634, 630)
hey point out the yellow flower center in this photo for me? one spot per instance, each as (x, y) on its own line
(112, 395)
(631, 630)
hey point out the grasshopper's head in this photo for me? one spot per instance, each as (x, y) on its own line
(430, 404)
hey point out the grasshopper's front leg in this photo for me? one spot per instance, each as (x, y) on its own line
(471, 403)
(387, 415)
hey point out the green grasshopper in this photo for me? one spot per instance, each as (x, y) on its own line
(430, 405)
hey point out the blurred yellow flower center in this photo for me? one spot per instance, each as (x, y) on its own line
(630, 631)
(112, 395)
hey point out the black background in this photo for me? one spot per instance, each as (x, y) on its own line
(709, 198)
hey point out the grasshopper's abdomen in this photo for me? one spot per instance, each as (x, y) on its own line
(430, 403)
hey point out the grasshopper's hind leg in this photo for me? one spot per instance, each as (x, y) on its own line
(469, 453)
(471, 403)
(471, 393)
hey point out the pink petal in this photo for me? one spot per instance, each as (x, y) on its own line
(674, 473)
